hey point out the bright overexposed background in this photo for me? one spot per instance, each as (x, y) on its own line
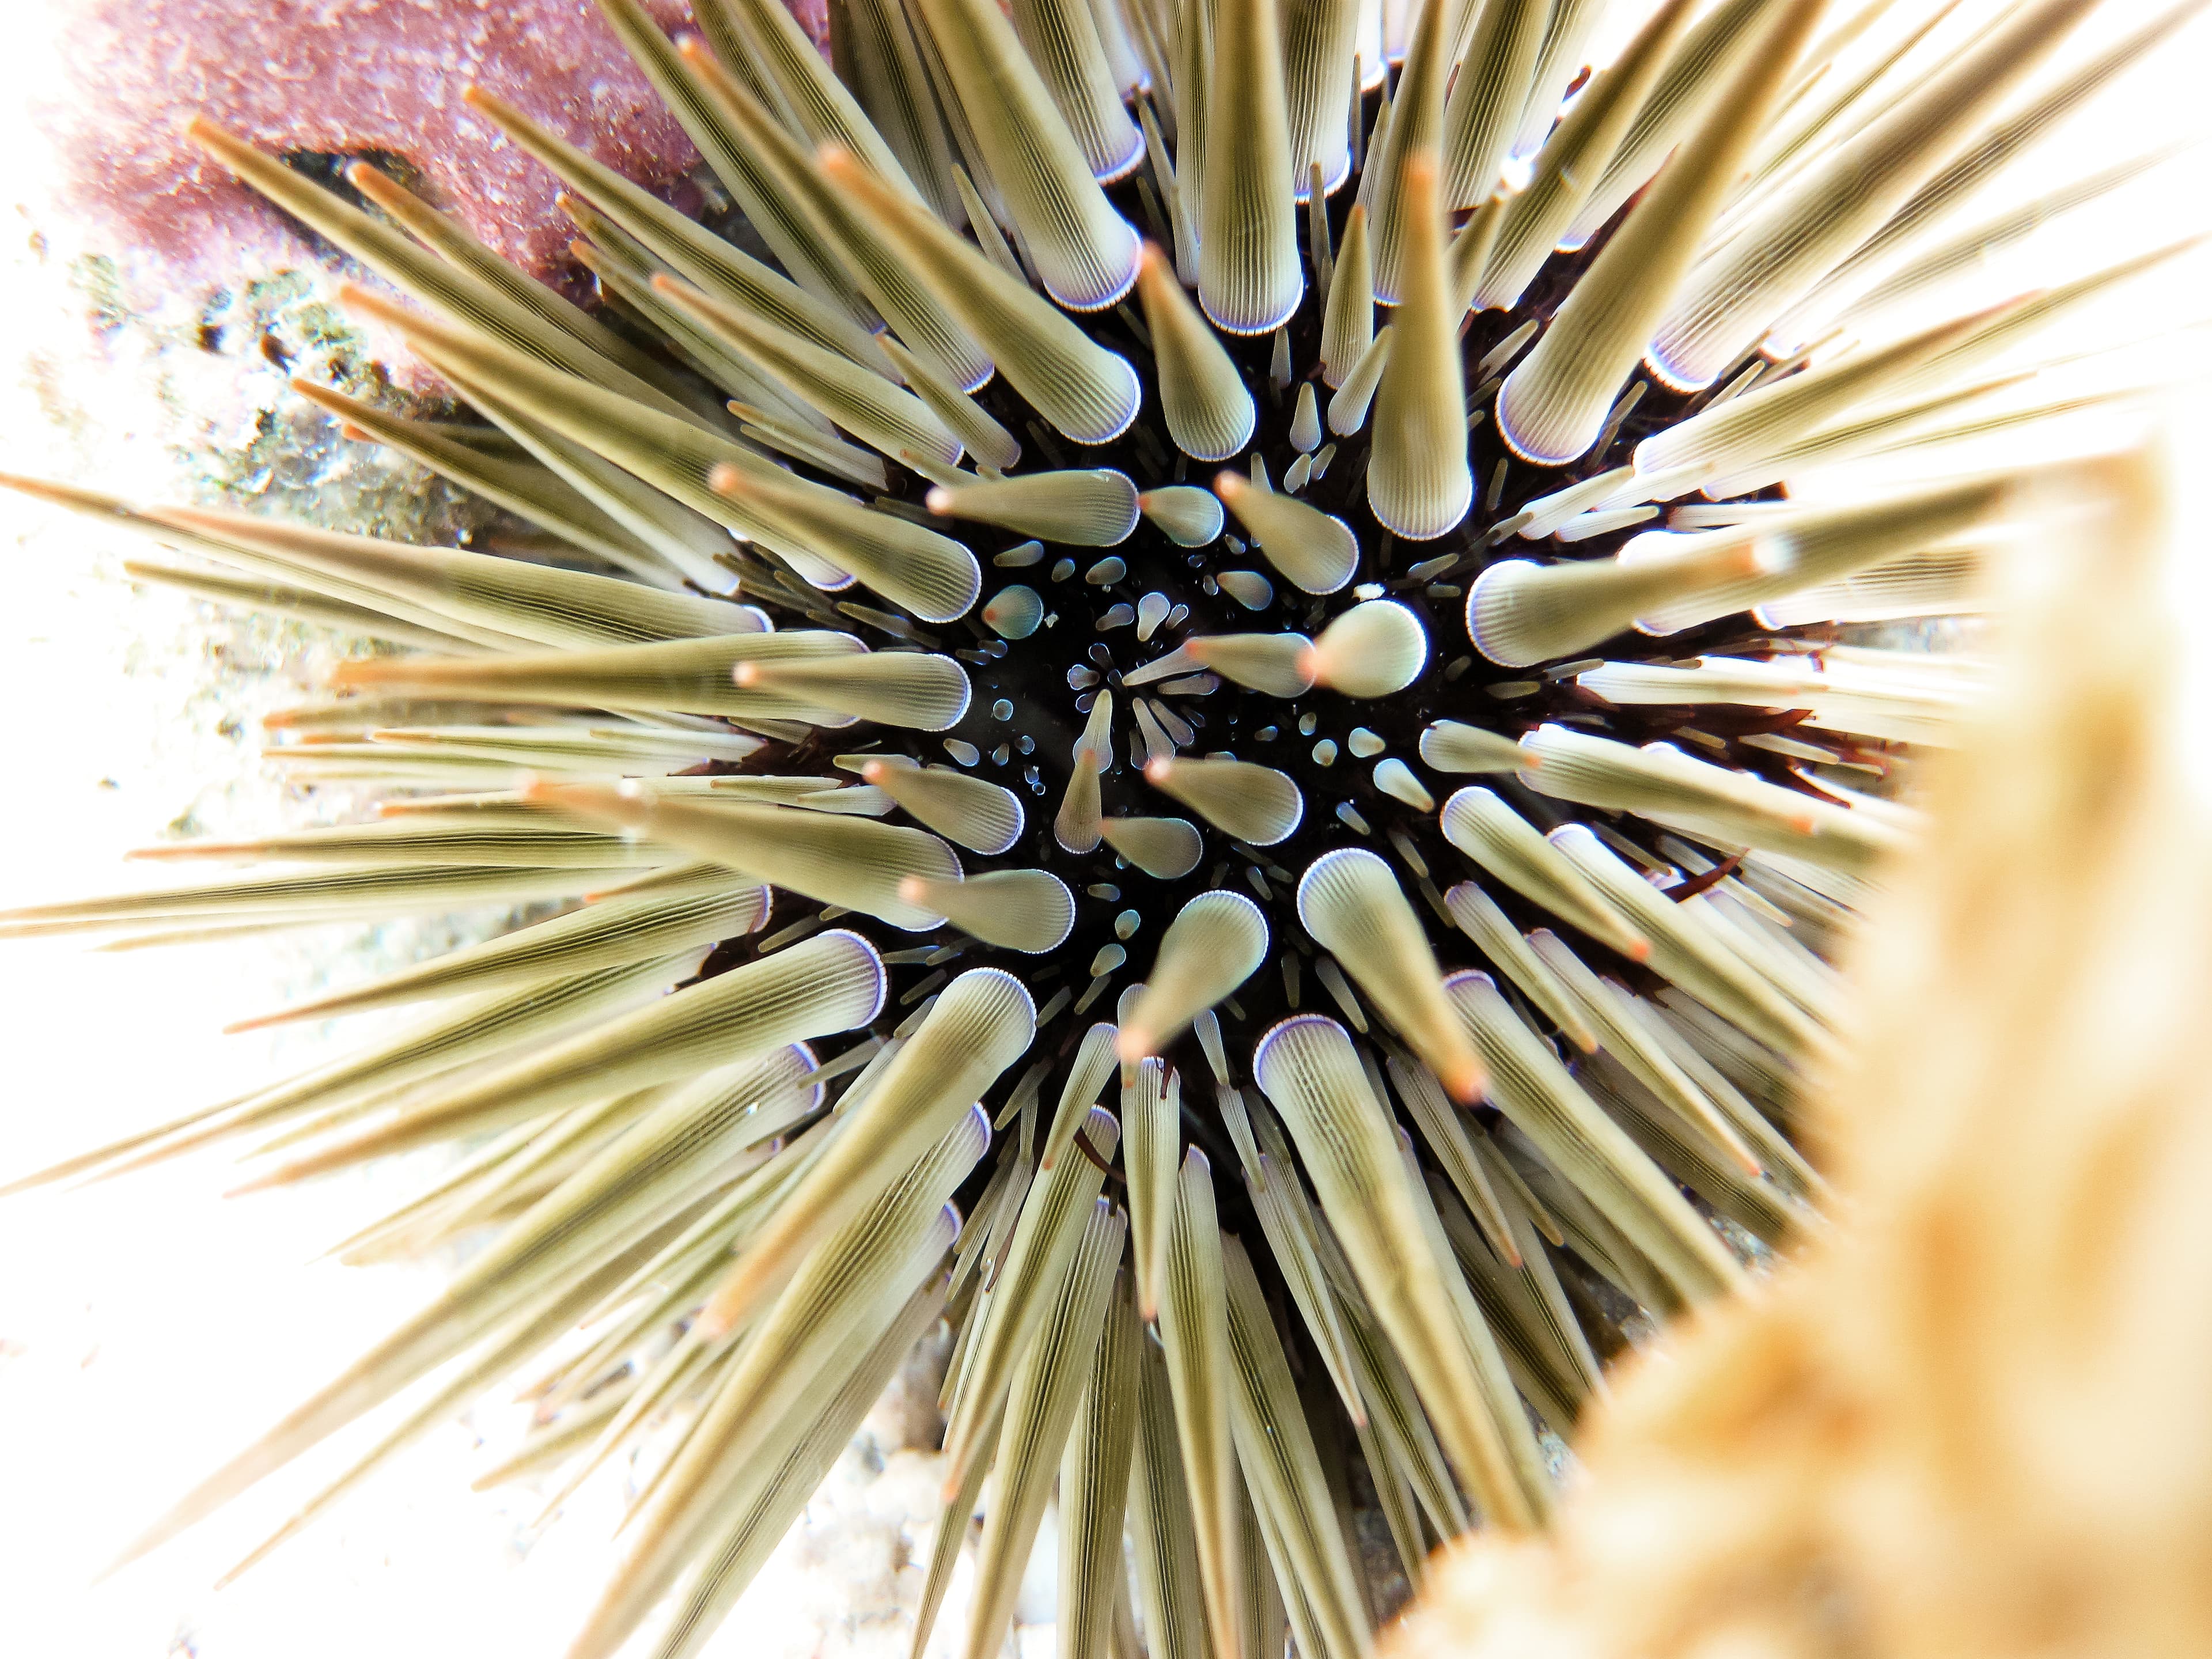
(147, 1326)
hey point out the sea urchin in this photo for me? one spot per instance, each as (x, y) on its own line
(914, 804)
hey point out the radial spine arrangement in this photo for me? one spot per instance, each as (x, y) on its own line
(1139, 770)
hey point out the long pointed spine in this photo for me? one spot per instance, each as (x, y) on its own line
(1388, 186)
(1086, 252)
(827, 112)
(1210, 414)
(1088, 393)
(1554, 403)
(1790, 243)
(914, 311)
(760, 195)
(1063, 40)
(1319, 49)
(1195, 1330)
(1419, 482)
(1570, 162)
(1249, 280)
(1484, 106)
(1348, 321)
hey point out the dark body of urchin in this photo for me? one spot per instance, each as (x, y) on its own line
(1028, 751)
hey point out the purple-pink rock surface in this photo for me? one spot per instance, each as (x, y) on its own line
(344, 76)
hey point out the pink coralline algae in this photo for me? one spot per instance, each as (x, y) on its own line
(346, 77)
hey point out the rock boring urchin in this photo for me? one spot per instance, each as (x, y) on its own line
(1028, 638)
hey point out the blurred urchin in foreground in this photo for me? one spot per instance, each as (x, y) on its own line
(950, 801)
(1969, 1422)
